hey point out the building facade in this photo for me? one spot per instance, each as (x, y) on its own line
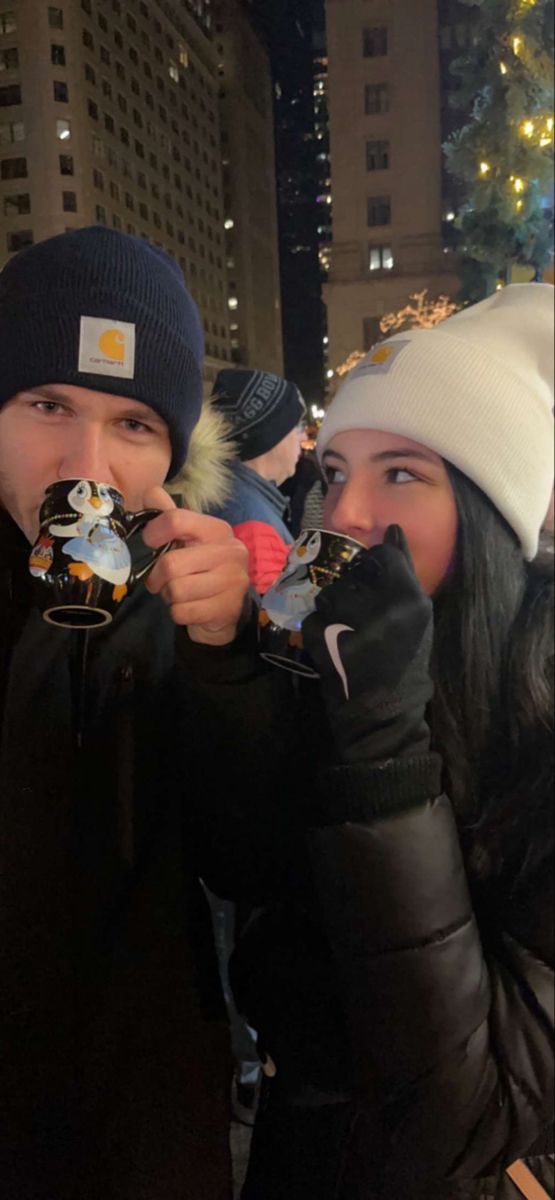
(249, 198)
(324, 198)
(110, 113)
(384, 92)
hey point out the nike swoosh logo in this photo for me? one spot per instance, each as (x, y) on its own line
(331, 637)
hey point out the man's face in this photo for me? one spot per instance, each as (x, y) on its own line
(58, 431)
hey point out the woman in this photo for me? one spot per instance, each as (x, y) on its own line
(416, 1060)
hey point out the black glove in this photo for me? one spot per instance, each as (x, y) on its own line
(370, 640)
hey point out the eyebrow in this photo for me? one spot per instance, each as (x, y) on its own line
(388, 456)
(142, 412)
(49, 393)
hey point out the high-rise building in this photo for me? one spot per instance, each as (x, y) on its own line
(109, 114)
(249, 180)
(386, 166)
(324, 198)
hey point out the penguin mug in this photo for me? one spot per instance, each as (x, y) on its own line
(316, 559)
(82, 564)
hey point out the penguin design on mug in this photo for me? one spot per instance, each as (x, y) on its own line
(95, 545)
(291, 598)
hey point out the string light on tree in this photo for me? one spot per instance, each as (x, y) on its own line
(423, 313)
(503, 156)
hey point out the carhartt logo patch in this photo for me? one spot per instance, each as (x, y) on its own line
(380, 360)
(107, 347)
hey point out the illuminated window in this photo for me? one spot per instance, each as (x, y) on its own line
(380, 258)
(13, 131)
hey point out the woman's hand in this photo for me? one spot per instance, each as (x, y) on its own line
(370, 639)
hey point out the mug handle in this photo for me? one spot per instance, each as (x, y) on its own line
(136, 521)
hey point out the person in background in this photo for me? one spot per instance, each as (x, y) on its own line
(298, 488)
(404, 996)
(313, 509)
(265, 415)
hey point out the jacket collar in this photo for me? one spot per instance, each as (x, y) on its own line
(265, 487)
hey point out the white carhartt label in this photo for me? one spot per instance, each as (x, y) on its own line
(107, 347)
(380, 360)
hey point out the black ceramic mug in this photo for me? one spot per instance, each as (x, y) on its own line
(316, 559)
(82, 564)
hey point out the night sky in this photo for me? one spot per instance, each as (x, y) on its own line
(287, 28)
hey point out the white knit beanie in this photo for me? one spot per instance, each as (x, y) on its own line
(478, 390)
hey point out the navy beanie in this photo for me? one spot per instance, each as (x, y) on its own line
(105, 311)
(261, 409)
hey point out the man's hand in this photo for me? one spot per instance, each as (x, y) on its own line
(204, 578)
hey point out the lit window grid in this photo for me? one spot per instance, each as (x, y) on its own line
(64, 132)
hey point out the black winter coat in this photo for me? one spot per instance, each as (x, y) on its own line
(409, 1012)
(114, 1059)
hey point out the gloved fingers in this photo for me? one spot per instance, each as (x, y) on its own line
(395, 536)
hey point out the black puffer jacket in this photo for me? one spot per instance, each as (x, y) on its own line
(411, 1014)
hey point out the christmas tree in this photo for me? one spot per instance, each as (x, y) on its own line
(503, 155)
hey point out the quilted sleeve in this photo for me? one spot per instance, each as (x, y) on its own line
(450, 1009)
(267, 552)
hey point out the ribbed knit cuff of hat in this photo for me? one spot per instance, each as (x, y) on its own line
(366, 791)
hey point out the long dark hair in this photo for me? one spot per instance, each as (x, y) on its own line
(492, 716)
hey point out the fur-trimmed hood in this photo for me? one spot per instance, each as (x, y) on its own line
(204, 482)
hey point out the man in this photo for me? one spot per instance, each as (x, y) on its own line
(113, 1062)
(265, 415)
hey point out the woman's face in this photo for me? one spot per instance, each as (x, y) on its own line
(379, 479)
